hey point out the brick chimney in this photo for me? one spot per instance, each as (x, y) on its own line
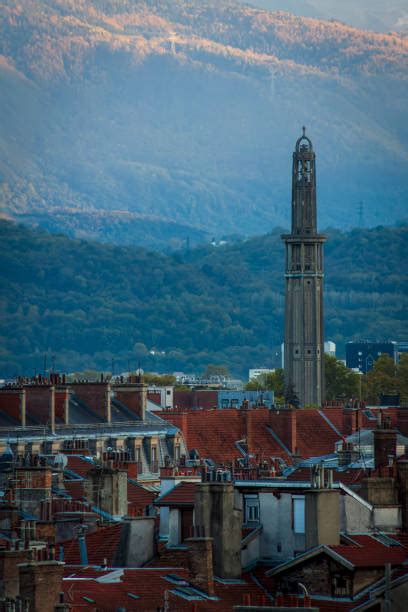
(283, 423)
(385, 444)
(41, 584)
(97, 396)
(62, 404)
(40, 403)
(200, 557)
(13, 403)
(246, 415)
(133, 396)
(352, 420)
(9, 572)
(322, 512)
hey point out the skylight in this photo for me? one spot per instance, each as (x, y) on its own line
(174, 579)
(386, 540)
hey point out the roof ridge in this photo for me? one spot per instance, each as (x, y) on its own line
(328, 421)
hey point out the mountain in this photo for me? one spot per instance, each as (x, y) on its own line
(154, 123)
(374, 15)
(86, 303)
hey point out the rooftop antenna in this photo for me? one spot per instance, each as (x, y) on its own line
(45, 364)
(113, 366)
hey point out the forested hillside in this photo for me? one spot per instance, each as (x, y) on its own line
(375, 15)
(86, 303)
(151, 123)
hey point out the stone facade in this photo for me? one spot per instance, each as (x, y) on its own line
(304, 340)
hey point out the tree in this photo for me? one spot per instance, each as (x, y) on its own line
(402, 376)
(341, 382)
(273, 381)
(383, 378)
(291, 397)
(159, 380)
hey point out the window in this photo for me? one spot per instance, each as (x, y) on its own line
(339, 586)
(298, 513)
(251, 509)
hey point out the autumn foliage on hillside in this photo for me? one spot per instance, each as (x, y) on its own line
(164, 121)
(47, 39)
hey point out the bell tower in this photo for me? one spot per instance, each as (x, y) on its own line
(304, 339)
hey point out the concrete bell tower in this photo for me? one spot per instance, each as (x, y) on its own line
(304, 339)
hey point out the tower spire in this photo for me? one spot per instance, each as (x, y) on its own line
(304, 341)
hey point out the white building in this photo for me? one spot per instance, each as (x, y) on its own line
(255, 372)
(330, 348)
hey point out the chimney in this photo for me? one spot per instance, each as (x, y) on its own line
(66, 407)
(385, 445)
(283, 423)
(215, 511)
(402, 471)
(97, 396)
(9, 573)
(352, 419)
(41, 584)
(347, 454)
(247, 425)
(106, 488)
(22, 397)
(200, 558)
(83, 551)
(322, 512)
(133, 396)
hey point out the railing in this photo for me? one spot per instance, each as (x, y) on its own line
(181, 470)
(94, 428)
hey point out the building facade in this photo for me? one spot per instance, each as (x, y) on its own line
(362, 355)
(304, 339)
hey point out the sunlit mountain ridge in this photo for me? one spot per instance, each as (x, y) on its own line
(157, 122)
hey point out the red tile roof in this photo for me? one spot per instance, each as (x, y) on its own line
(181, 495)
(392, 413)
(315, 437)
(145, 589)
(336, 417)
(214, 433)
(101, 545)
(79, 464)
(139, 497)
(370, 552)
(75, 488)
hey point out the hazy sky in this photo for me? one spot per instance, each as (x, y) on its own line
(379, 15)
